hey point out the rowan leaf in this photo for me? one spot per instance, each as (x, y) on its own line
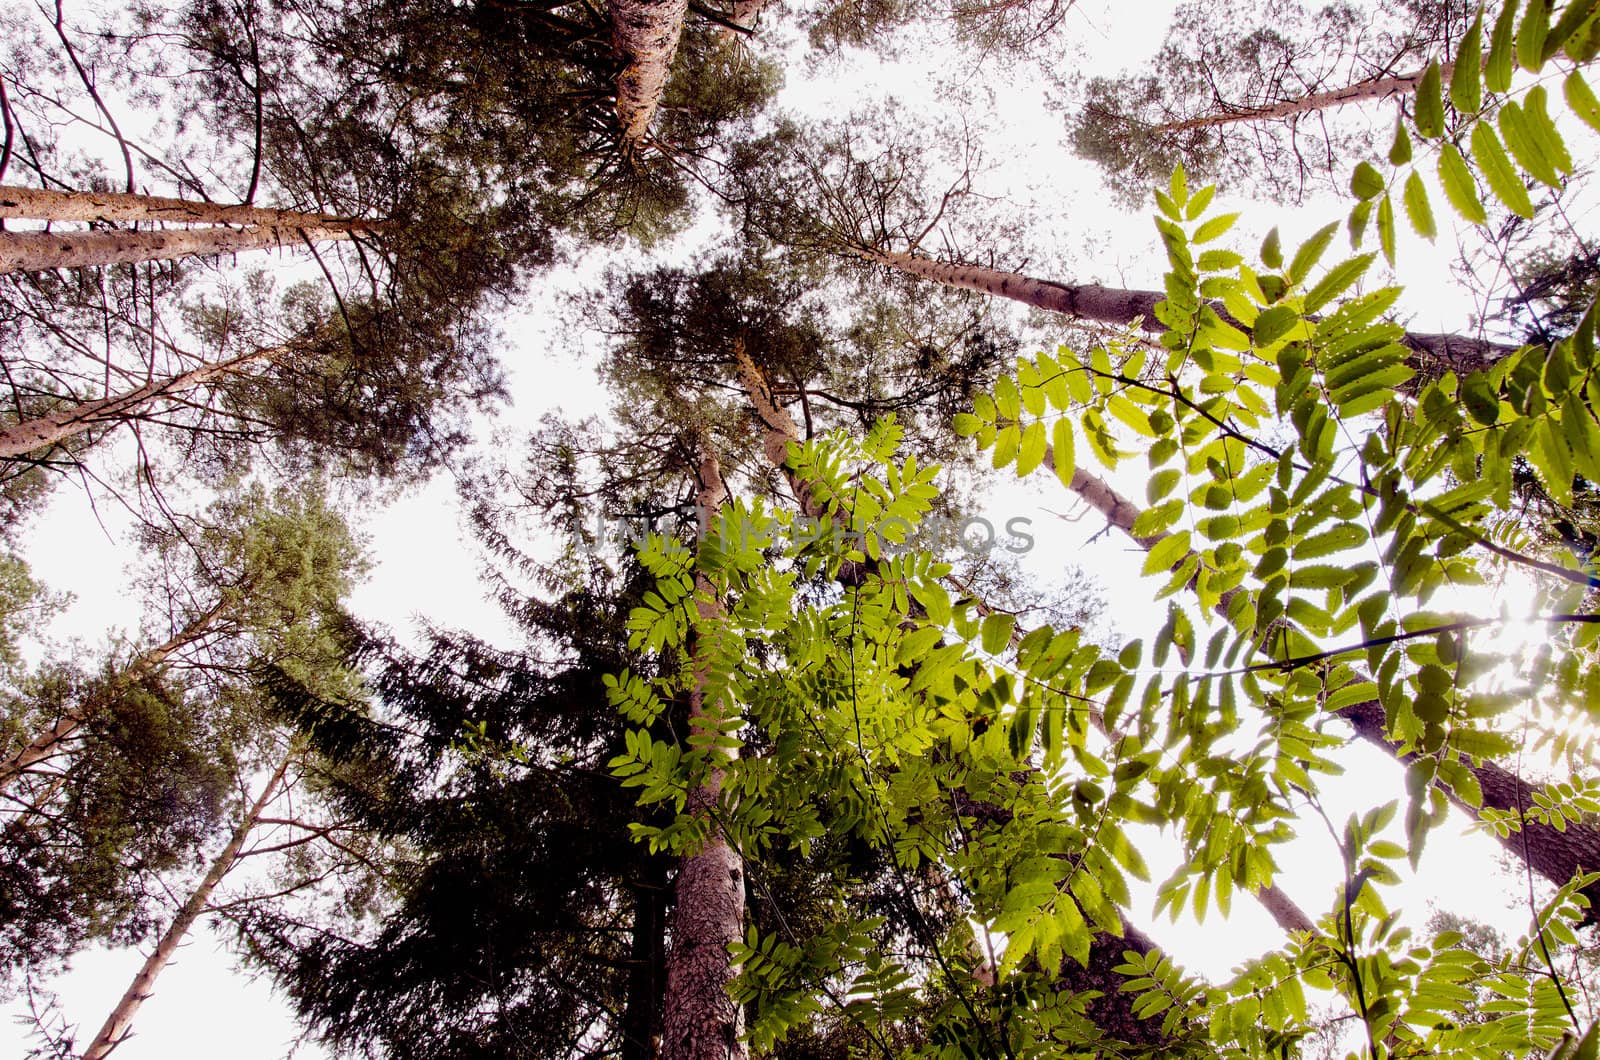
(1502, 49)
(1428, 103)
(1459, 187)
(1418, 207)
(1466, 77)
(1498, 171)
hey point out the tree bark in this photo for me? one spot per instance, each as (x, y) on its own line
(1361, 91)
(1122, 307)
(57, 426)
(45, 205)
(1557, 855)
(644, 34)
(701, 1021)
(43, 745)
(119, 1024)
(37, 251)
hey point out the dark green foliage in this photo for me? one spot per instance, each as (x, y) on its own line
(515, 887)
(82, 851)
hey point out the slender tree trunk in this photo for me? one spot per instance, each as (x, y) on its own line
(745, 13)
(644, 34)
(1557, 855)
(36, 251)
(44, 745)
(641, 1019)
(701, 1020)
(61, 424)
(44, 205)
(1117, 306)
(1370, 89)
(780, 432)
(119, 1024)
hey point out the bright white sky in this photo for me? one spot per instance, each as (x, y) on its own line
(426, 567)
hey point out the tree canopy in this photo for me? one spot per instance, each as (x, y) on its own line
(798, 747)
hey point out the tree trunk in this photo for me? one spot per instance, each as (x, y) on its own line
(57, 426)
(44, 205)
(641, 1018)
(119, 1024)
(37, 251)
(1557, 855)
(644, 34)
(743, 13)
(701, 1021)
(1361, 91)
(43, 745)
(1111, 305)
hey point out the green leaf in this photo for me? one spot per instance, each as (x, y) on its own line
(1386, 228)
(1517, 129)
(966, 424)
(1583, 47)
(1061, 440)
(1459, 187)
(997, 629)
(1466, 77)
(1497, 70)
(1311, 252)
(1007, 398)
(1272, 250)
(1030, 452)
(1544, 130)
(1498, 172)
(1480, 398)
(1273, 324)
(1167, 552)
(1178, 186)
(1202, 199)
(1531, 35)
(1365, 183)
(1400, 150)
(1338, 280)
(1215, 227)
(1418, 207)
(1576, 14)
(1581, 98)
(1428, 103)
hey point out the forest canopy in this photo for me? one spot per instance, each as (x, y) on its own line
(777, 734)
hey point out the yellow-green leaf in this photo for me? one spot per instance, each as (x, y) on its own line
(1498, 171)
(1418, 208)
(1576, 14)
(1336, 282)
(1214, 227)
(1525, 146)
(1365, 183)
(1400, 150)
(1459, 187)
(1272, 250)
(1167, 552)
(1386, 228)
(1466, 78)
(1030, 452)
(1543, 130)
(1497, 70)
(1581, 98)
(1311, 251)
(1062, 450)
(1428, 104)
(1531, 35)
